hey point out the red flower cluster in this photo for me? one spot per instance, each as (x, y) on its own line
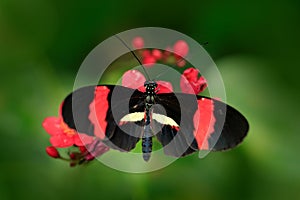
(82, 148)
(190, 82)
(173, 56)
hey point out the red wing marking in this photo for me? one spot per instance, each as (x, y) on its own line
(204, 121)
(98, 111)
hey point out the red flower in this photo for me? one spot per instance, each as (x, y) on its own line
(52, 151)
(145, 53)
(190, 83)
(156, 54)
(62, 135)
(149, 61)
(135, 80)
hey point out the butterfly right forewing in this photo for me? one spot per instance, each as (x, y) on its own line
(205, 124)
(232, 125)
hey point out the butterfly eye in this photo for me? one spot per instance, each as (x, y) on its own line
(147, 83)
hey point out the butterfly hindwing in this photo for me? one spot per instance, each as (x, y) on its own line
(174, 142)
(177, 140)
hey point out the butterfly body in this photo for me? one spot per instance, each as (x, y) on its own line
(150, 87)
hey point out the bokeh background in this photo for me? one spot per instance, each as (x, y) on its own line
(255, 46)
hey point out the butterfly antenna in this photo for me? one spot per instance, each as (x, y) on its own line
(132, 52)
(205, 43)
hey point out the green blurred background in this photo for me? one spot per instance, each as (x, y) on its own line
(254, 44)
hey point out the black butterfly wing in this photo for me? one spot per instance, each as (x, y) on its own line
(204, 124)
(233, 130)
(75, 110)
(178, 107)
(111, 105)
(97, 110)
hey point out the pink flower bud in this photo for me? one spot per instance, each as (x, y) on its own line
(156, 54)
(149, 61)
(181, 48)
(82, 149)
(146, 53)
(73, 156)
(181, 63)
(52, 151)
(138, 42)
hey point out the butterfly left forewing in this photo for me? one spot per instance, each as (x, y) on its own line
(110, 107)
(75, 109)
(92, 110)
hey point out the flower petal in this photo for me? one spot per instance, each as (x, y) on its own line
(185, 86)
(52, 125)
(191, 74)
(62, 140)
(164, 87)
(202, 84)
(133, 79)
(190, 83)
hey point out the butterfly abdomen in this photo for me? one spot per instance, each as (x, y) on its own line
(146, 148)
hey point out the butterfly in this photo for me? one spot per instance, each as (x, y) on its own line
(182, 123)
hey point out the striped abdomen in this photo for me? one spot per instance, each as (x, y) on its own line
(147, 147)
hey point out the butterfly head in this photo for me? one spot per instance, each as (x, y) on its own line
(150, 86)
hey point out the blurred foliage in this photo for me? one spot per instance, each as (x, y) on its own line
(255, 45)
